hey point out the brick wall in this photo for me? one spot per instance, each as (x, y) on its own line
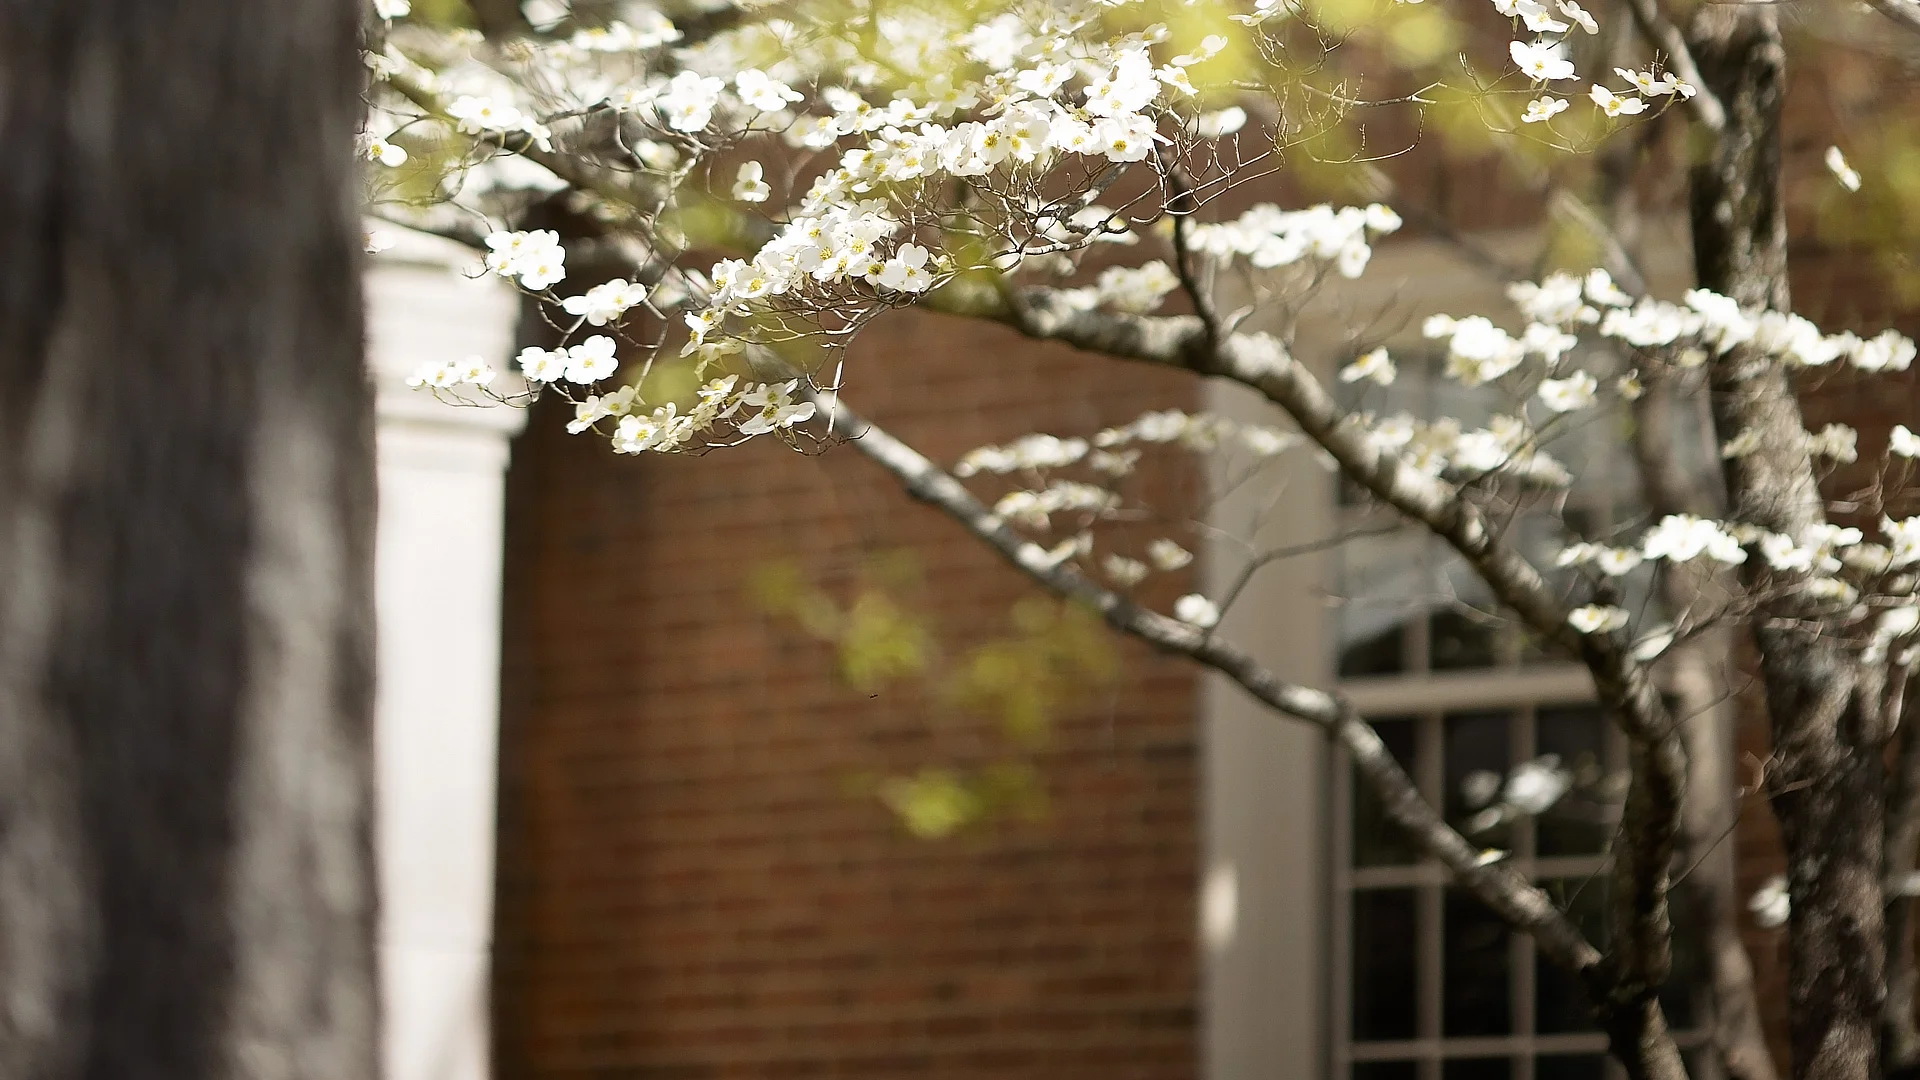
(687, 887)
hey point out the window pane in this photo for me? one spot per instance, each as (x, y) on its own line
(1462, 639)
(1566, 1067)
(1476, 987)
(1560, 999)
(1377, 841)
(1478, 1069)
(1476, 757)
(1384, 580)
(1582, 822)
(1381, 653)
(1385, 928)
(1385, 1070)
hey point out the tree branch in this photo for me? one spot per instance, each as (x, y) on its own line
(1829, 726)
(1261, 362)
(1643, 864)
(1523, 906)
(1180, 209)
(1663, 34)
(1701, 675)
(1903, 837)
(1902, 12)
(574, 172)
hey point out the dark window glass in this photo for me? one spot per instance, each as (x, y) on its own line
(1377, 841)
(1560, 999)
(1476, 988)
(1476, 756)
(1462, 640)
(1385, 1070)
(1384, 979)
(1477, 1069)
(1382, 653)
(1572, 1067)
(1582, 822)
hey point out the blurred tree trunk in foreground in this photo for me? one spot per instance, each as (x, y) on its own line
(186, 885)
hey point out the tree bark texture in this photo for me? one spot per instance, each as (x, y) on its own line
(1828, 725)
(186, 884)
(1900, 1043)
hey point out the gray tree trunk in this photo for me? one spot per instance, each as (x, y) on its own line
(186, 883)
(1825, 708)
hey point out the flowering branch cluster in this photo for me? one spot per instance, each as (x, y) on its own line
(705, 215)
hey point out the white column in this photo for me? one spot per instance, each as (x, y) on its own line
(437, 588)
(1262, 903)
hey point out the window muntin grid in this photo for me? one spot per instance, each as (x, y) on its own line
(1428, 984)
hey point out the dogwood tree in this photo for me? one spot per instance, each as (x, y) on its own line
(734, 193)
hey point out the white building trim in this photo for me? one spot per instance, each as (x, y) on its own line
(438, 571)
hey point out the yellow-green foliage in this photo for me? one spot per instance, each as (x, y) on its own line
(1882, 219)
(1055, 651)
(938, 802)
(1052, 658)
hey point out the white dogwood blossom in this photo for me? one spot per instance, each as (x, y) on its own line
(1373, 366)
(591, 360)
(748, 185)
(760, 91)
(1542, 61)
(605, 302)
(472, 371)
(1543, 108)
(1597, 619)
(535, 258)
(1904, 540)
(1771, 904)
(1683, 538)
(1568, 394)
(1843, 172)
(688, 100)
(386, 153)
(1197, 610)
(1167, 555)
(1613, 104)
(775, 407)
(1534, 786)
